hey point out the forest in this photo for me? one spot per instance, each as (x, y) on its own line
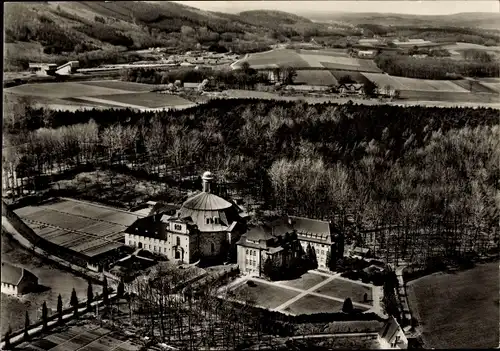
(431, 174)
(432, 68)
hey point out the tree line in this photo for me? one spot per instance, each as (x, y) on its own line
(431, 68)
(427, 175)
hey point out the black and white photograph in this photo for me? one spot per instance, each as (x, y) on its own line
(250, 175)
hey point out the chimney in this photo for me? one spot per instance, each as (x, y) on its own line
(207, 179)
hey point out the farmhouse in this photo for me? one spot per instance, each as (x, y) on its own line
(366, 53)
(206, 226)
(16, 280)
(351, 88)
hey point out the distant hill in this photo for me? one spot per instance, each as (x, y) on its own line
(485, 20)
(91, 31)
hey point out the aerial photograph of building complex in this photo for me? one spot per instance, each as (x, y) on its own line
(250, 175)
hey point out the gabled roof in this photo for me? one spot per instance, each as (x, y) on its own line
(308, 225)
(12, 274)
(261, 232)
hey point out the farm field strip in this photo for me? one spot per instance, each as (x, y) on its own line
(315, 77)
(492, 86)
(414, 84)
(141, 100)
(318, 60)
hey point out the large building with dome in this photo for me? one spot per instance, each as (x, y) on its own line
(205, 227)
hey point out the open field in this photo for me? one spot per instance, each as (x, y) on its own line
(304, 282)
(81, 336)
(450, 97)
(151, 100)
(358, 77)
(314, 304)
(403, 83)
(63, 90)
(343, 289)
(315, 78)
(492, 86)
(53, 280)
(117, 84)
(458, 310)
(475, 86)
(265, 295)
(318, 59)
(82, 227)
(98, 94)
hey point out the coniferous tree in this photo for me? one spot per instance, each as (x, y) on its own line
(347, 307)
(120, 290)
(26, 326)
(7, 338)
(90, 296)
(59, 308)
(105, 292)
(74, 301)
(45, 315)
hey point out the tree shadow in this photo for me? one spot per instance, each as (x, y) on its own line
(36, 289)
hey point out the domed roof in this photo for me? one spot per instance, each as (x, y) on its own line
(207, 175)
(206, 202)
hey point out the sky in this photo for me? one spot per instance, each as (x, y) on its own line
(415, 7)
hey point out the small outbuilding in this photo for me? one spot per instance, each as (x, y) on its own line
(16, 280)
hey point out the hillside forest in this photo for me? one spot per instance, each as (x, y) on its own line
(423, 180)
(110, 32)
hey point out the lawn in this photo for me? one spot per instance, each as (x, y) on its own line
(306, 281)
(315, 77)
(49, 276)
(149, 100)
(314, 304)
(117, 84)
(265, 295)
(458, 310)
(342, 289)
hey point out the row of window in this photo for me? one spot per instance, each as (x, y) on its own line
(176, 226)
(177, 241)
(251, 262)
(251, 252)
(147, 246)
(213, 220)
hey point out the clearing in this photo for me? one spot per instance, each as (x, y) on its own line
(450, 306)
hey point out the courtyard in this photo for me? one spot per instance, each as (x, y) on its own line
(313, 292)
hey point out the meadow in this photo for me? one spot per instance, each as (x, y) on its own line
(403, 83)
(147, 100)
(319, 59)
(458, 310)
